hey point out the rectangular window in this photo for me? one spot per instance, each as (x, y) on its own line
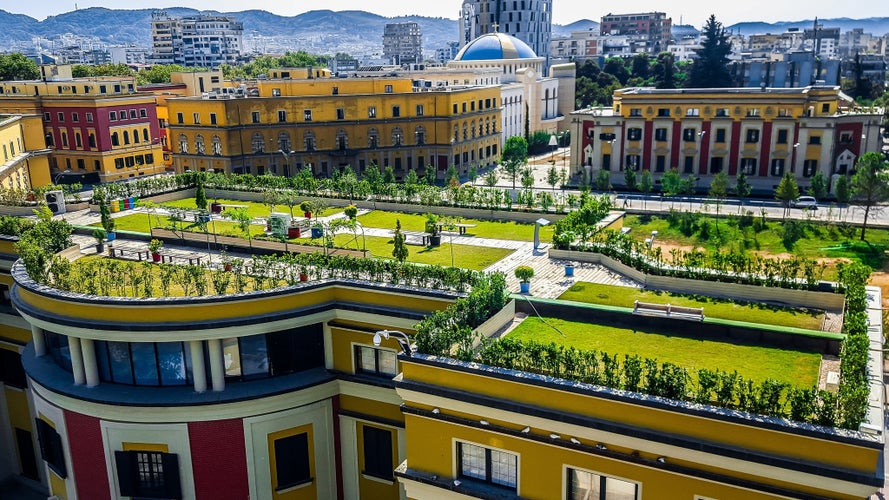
(484, 464)
(660, 163)
(606, 162)
(388, 89)
(212, 118)
(455, 108)
(689, 167)
(11, 371)
(282, 116)
(132, 113)
(810, 167)
(749, 165)
(396, 111)
(784, 113)
(196, 118)
(635, 112)
(47, 117)
(340, 113)
(75, 117)
(782, 137)
(307, 115)
(371, 111)
(825, 108)
(62, 116)
(814, 139)
(335, 91)
(148, 474)
(693, 112)
(373, 361)
(51, 448)
(660, 135)
(846, 138)
(584, 485)
(688, 135)
(663, 112)
(634, 134)
(254, 116)
(716, 164)
(720, 135)
(419, 110)
(89, 118)
(180, 117)
(292, 461)
(633, 162)
(777, 169)
(753, 112)
(143, 113)
(722, 112)
(377, 452)
(752, 136)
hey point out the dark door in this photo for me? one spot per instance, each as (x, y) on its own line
(26, 454)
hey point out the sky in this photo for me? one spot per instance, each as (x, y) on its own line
(564, 11)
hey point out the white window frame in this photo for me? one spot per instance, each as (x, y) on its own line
(565, 485)
(455, 459)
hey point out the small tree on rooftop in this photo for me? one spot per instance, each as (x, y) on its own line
(200, 197)
(399, 250)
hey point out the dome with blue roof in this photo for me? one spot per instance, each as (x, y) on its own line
(493, 46)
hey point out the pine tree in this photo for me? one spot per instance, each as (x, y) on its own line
(787, 190)
(664, 71)
(710, 69)
(870, 184)
(399, 251)
(742, 187)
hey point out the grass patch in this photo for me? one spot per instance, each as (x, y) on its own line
(465, 256)
(501, 230)
(255, 209)
(757, 363)
(622, 296)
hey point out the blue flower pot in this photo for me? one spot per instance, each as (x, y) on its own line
(317, 232)
(569, 270)
(525, 287)
(111, 236)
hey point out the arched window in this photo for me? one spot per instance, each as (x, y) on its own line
(199, 146)
(456, 133)
(309, 141)
(373, 138)
(397, 136)
(145, 134)
(217, 145)
(126, 137)
(487, 126)
(77, 141)
(472, 129)
(136, 136)
(49, 142)
(420, 135)
(465, 131)
(258, 143)
(183, 144)
(342, 140)
(92, 140)
(115, 139)
(284, 142)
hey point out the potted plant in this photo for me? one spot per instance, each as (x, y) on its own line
(306, 207)
(226, 261)
(303, 273)
(569, 269)
(351, 211)
(317, 230)
(432, 229)
(154, 246)
(524, 274)
(99, 234)
(107, 221)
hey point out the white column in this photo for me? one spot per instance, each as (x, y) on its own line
(39, 340)
(198, 370)
(90, 368)
(217, 367)
(76, 360)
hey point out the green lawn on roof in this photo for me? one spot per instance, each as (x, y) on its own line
(465, 256)
(621, 296)
(501, 230)
(797, 368)
(255, 209)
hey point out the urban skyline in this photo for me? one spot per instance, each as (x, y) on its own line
(564, 11)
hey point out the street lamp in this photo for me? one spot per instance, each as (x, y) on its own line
(404, 341)
(286, 155)
(58, 176)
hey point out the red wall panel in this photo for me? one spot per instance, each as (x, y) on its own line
(87, 456)
(219, 459)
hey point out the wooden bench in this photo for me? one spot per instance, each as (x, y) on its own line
(416, 238)
(461, 228)
(128, 253)
(668, 311)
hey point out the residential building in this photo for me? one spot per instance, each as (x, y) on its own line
(578, 46)
(131, 55)
(822, 41)
(204, 41)
(685, 49)
(99, 128)
(445, 54)
(25, 160)
(285, 123)
(528, 20)
(403, 43)
(649, 31)
(786, 70)
(701, 132)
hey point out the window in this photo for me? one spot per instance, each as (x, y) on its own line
(782, 136)
(693, 112)
(633, 162)
(340, 113)
(720, 135)
(377, 452)
(753, 112)
(335, 91)
(397, 136)
(292, 461)
(815, 139)
(92, 140)
(180, 117)
(785, 113)
(688, 135)
(199, 146)
(64, 141)
(258, 143)
(132, 114)
(276, 92)
(89, 118)
(634, 134)
(752, 135)
(373, 361)
(148, 474)
(689, 166)
(183, 144)
(388, 89)
(777, 169)
(51, 448)
(810, 167)
(846, 138)
(217, 145)
(143, 113)
(254, 116)
(722, 112)
(660, 135)
(825, 108)
(196, 118)
(47, 117)
(748, 165)
(75, 117)
(635, 112)
(484, 464)
(660, 163)
(584, 485)
(371, 111)
(11, 371)
(307, 115)
(62, 116)
(419, 110)
(716, 164)
(396, 111)
(212, 118)
(282, 116)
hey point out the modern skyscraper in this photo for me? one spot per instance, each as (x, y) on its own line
(403, 43)
(206, 41)
(528, 20)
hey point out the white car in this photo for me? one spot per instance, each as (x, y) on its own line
(805, 203)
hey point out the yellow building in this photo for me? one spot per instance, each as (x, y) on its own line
(281, 126)
(25, 158)
(99, 129)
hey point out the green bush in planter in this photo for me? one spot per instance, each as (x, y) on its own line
(524, 273)
(351, 211)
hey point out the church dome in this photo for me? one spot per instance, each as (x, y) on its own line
(494, 46)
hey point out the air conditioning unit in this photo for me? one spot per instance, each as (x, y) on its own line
(55, 200)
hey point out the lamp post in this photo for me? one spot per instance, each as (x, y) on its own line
(286, 155)
(403, 340)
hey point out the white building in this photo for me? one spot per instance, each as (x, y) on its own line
(205, 41)
(131, 55)
(528, 20)
(403, 43)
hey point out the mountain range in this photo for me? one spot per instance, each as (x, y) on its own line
(317, 31)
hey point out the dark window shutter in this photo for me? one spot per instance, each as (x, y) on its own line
(58, 455)
(171, 476)
(42, 438)
(377, 452)
(292, 460)
(126, 473)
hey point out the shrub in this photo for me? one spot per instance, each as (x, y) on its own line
(524, 273)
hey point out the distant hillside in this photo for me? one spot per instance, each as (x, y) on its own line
(876, 25)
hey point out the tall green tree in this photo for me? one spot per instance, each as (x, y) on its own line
(630, 178)
(640, 67)
(742, 187)
(718, 191)
(671, 183)
(818, 186)
(710, 68)
(843, 190)
(514, 156)
(870, 184)
(646, 183)
(16, 66)
(617, 67)
(664, 71)
(787, 191)
(399, 250)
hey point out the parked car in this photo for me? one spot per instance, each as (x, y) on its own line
(805, 203)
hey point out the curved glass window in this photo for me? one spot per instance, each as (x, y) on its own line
(144, 363)
(57, 348)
